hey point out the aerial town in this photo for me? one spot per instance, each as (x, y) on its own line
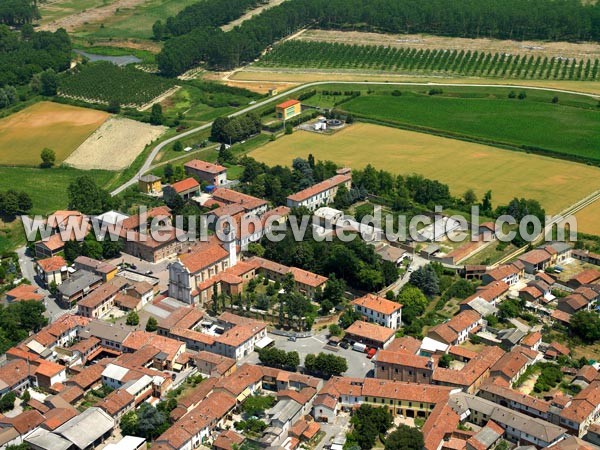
(299, 224)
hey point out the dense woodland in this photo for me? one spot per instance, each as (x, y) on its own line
(26, 53)
(18, 12)
(506, 19)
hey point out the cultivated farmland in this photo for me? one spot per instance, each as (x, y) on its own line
(324, 55)
(569, 127)
(60, 127)
(462, 165)
(104, 82)
(587, 219)
(115, 145)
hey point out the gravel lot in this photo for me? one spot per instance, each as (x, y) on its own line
(115, 145)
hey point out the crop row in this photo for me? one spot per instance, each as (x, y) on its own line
(324, 55)
(104, 82)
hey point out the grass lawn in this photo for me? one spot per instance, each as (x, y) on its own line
(133, 22)
(60, 127)
(570, 127)
(462, 165)
(47, 187)
(490, 254)
(12, 236)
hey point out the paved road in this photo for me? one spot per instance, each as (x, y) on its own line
(148, 163)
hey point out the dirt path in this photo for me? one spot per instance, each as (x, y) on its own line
(422, 41)
(74, 21)
(251, 13)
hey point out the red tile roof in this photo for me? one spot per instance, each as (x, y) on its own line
(323, 186)
(287, 104)
(53, 264)
(204, 166)
(24, 292)
(370, 331)
(185, 185)
(204, 257)
(378, 304)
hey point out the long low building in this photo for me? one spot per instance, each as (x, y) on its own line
(518, 427)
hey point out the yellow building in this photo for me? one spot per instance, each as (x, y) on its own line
(288, 109)
(150, 184)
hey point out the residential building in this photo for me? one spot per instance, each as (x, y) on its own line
(573, 303)
(103, 269)
(370, 334)
(456, 330)
(400, 366)
(214, 174)
(321, 194)
(97, 304)
(253, 206)
(53, 270)
(583, 410)
(80, 284)
(507, 273)
(536, 260)
(379, 310)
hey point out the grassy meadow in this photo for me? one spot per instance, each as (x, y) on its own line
(569, 127)
(462, 165)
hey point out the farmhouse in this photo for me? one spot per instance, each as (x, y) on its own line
(288, 109)
(536, 260)
(213, 174)
(379, 310)
(321, 193)
(508, 273)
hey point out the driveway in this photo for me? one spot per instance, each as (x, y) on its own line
(340, 425)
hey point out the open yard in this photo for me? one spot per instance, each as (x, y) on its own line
(60, 127)
(588, 219)
(115, 145)
(462, 165)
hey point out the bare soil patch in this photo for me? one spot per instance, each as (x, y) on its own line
(115, 145)
(251, 13)
(72, 22)
(423, 41)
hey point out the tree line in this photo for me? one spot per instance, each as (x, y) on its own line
(22, 55)
(234, 129)
(569, 20)
(18, 12)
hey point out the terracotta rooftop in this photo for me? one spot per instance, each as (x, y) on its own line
(587, 276)
(531, 339)
(441, 421)
(307, 278)
(24, 292)
(52, 264)
(185, 185)
(536, 256)
(204, 257)
(14, 371)
(402, 359)
(377, 304)
(204, 166)
(230, 196)
(287, 104)
(323, 186)
(370, 331)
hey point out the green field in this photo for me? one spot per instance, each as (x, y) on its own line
(555, 183)
(133, 22)
(62, 8)
(570, 127)
(48, 187)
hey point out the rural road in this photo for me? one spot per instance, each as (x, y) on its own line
(148, 163)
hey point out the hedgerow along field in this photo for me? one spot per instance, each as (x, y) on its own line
(555, 183)
(62, 128)
(326, 55)
(567, 129)
(104, 82)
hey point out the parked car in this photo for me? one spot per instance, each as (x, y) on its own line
(345, 345)
(371, 352)
(292, 338)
